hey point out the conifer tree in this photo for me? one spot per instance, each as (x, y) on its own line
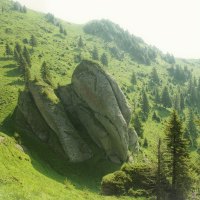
(80, 42)
(177, 159)
(64, 32)
(154, 76)
(46, 76)
(104, 59)
(157, 96)
(191, 128)
(182, 102)
(61, 29)
(24, 9)
(33, 41)
(22, 63)
(27, 56)
(145, 145)
(138, 126)
(95, 54)
(166, 101)
(145, 105)
(133, 79)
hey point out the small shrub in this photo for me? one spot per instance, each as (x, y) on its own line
(116, 183)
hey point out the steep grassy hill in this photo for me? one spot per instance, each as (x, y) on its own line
(34, 172)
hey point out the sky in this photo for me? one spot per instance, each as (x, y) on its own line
(171, 25)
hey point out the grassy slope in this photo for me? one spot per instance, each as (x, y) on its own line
(34, 176)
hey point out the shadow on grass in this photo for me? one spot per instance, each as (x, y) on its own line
(18, 82)
(13, 72)
(9, 66)
(85, 175)
(5, 58)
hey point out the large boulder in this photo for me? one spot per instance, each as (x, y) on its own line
(92, 103)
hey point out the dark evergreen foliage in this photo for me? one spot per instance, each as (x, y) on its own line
(123, 39)
(165, 99)
(177, 159)
(95, 53)
(33, 41)
(104, 59)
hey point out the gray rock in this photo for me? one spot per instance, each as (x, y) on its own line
(90, 109)
(101, 107)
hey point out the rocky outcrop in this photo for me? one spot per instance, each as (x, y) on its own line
(94, 102)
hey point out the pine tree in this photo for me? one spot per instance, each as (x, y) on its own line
(22, 64)
(166, 101)
(182, 102)
(133, 79)
(138, 126)
(104, 59)
(80, 42)
(95, 54)
(145, 105)
(154, 76)
(178, 158)
(46, 76)
(27, 56)
(157, 97)
(191, 128)
(145, 145)
(64, 32)
(33, 41)
(177, 100)
(24, 9)
(61, 29)
(8, 50)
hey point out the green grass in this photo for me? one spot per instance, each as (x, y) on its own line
(36, 173)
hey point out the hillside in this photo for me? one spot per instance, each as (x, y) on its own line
(139, 69)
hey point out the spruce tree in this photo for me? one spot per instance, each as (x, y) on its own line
(133, 79)
(182, 102)
(22, 64)
(178, 159)
(154, 76)
(33, 41)
(145, 105)
(27, 56)
(80, 42)
(157, 96)
(138, 126)
(61, 29)
(46, 76)
(191, 127)
(104, 59)
(95, 54)
(165, 99)
(145, 144)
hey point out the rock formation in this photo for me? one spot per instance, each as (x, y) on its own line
(92, 103)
